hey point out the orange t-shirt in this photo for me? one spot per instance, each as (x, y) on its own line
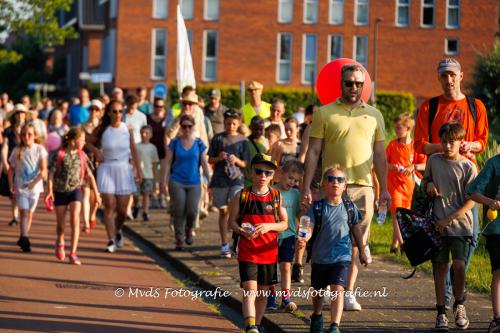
(400, 186)
(448, 111)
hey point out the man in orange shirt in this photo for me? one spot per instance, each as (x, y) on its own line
(453, 105)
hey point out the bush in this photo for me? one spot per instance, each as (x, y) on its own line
(392, 103)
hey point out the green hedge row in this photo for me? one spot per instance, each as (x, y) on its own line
(392, 103)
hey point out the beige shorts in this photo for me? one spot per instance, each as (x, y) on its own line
(363, 197)
(160, 174)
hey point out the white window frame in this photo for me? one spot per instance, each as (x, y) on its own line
(155, 10)
(155, 57)
(305, 14)
(329, 47)
(355, 46)
(192, 14)
(304, 80)
(280, 3)
(205, 58)
(356, 4)
(330, 5)
(423, 6)
(452, 7)
(396, 15)
(279, 61)
(447, 51)
(205, 12)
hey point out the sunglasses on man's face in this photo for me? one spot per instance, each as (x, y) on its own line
(266, 173)
(332, 179)
(187, 126)
(116, 111)
(350, 84)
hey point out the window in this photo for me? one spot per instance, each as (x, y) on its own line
(284, 53)
(211, 10)
(452, 14)
(309, 49)
(335, 47)
(310, 11)
(336, 12)
(427, 13)
(361, 12)
(187, 9)
(285, 11)
(402, 13)
(451, 46)
(210, 55)
(159, 54)
(190, 39)
(361, 50)
(160, 9)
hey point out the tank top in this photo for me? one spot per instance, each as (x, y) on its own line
(115, 144)
(158, 136)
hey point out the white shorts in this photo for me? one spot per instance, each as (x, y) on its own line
(115, 178)
(27, 200)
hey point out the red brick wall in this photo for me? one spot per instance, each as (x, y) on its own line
(407, 57)
(94, 47)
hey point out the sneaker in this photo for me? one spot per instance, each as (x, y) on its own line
(271, 302)
(189, 236)
(145, 217)
(461, 320)
(135, 212)
(494, 326)
(130, 216)
(350, 303)
(13, 222)
(111, 247)
(441, 323)
(179, 245)
(60, 254)
(203, 213)
(333, 329)
(369, 258)
(297, 273)
(24, 244)
(261, 328)
(316, 324)
(119, 239)
(163, 202)
(154, 203)
(225, 251)
(73, 259)
(287, 305)
(251, 329)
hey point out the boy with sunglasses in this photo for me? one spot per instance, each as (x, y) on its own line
(334, 219)
(256, 214)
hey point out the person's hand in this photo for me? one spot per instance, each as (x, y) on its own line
(222, 155)
(466, 147)
(138, 175)
(31, 185)
(99, 157)
(301, 243)
(442, 224)
(98, 199)
(49, 196)
(385, 197)
(233, 159)
(495, 204)
(363, 259)
(245, 234)
(408, 170)
(261, 229)
(306, 198)
(432, 190)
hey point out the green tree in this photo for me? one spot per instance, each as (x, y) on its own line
(486, 85)
(34, 18)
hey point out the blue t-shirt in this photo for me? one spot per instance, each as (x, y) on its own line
(333, 243)
(290, 200)
(185, 168)
(78, 114)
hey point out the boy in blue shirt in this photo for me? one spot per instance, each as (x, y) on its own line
(331, 250)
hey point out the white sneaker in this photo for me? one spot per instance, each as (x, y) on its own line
(111, 247)
(119, 239)
(225, 251)
(350, 303)
(369, 258)
(461, 320)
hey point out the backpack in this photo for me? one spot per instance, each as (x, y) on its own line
(318, 220)
(433, 106)
(83, 162)
(244, 200)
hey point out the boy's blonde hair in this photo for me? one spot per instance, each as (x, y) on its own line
(405, 118)
(331, 169)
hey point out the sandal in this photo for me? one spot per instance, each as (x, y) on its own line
(93, 224)
(86, 230)
(60, 254)
(73, 259)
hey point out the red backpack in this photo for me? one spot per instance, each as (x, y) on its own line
(83, 162)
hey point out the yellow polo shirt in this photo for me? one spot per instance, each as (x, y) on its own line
(348, 138)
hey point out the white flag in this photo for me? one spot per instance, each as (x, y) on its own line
(185, 72)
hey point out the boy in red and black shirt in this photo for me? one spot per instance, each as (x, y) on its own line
(257, 216)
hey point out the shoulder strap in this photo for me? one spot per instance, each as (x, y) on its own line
(255, 146)
(245, 194)
(349, 206)
(471, 102)
(60, 155)
(199, 143)
(276, 198)
(433, 106)
(318, 220)
(83, 164)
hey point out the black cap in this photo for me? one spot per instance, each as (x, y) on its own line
(232, 113)
(263, 159)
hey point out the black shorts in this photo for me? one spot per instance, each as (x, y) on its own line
(323, 275)
(264, 274)
(65, 198)
(493, 247)
(286, 249)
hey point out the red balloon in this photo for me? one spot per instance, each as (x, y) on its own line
(328, 81)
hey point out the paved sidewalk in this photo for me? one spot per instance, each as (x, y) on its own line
(38, 293)
(407, 305)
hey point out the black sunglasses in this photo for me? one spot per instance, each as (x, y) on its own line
(350, 84)
(266, 173)
(116, 111)
(187, 126)
(331, 179)
(159, 106)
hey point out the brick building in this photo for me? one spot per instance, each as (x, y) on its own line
(280, 42)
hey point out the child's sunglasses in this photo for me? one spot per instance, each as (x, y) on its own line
(331, 179)
(266, 173)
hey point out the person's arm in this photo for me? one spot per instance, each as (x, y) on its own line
(304, 144)
(276, 150)
(204, 165)
(135, 156)
(90, 145)
(311, 163)
(10, 177)
(93, 186)
(234, 211)
(168, 166)
(4, 155)
(482, 199)
(380, 165)
(282, 225)
(460, 212)
(358, 238)
(42, 175)
(480, 131)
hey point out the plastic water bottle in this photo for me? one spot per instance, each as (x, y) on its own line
(231, 168)
(382, 212)
(304, 227)
(248, 227)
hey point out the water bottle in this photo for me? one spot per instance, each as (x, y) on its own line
(49, 204)
(304, 227)
(248, 227)
(231, 168)
(382, 212)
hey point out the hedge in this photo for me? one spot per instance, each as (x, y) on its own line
(392, 103)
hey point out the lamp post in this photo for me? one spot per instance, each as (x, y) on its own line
(375, 57)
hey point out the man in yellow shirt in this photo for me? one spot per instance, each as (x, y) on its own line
(350, 133)
(256, 106)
